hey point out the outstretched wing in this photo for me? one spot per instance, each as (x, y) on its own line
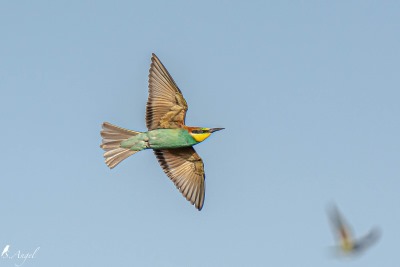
(367, 240)
(186, 169)
(341, 229)
(166, 107)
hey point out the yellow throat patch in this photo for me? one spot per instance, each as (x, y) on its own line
(200, 137)
(347, 246)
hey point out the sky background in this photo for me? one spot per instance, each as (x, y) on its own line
(308, 92)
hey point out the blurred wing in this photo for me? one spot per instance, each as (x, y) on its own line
(367, 240)
(340, 227)
(186, 169)
(166, 107)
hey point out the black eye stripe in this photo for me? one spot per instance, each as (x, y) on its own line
(200, 131)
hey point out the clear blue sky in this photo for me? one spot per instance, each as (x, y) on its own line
(309, 96)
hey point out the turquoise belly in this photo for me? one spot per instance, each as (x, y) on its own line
(170, 138)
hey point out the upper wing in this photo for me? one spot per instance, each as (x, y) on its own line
(166, 107)
(186, 169)
(340, 227)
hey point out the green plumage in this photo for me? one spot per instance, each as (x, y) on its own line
(160, 139)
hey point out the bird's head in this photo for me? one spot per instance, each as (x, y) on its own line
(200, 134)
(347, 245)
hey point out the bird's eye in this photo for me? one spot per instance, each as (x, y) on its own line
(197, 131)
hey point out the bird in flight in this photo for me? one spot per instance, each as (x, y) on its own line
(347, 244)
(171, 140)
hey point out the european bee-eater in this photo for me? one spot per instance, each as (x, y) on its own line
(171, 140)
(347, 244)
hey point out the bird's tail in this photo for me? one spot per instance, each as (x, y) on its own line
(112, 138)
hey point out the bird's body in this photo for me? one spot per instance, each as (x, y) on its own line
(167, 135)
(160, 139)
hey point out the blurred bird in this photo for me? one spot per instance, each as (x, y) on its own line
(347, 244)
(168, 136)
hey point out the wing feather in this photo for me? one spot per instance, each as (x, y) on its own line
(166, 106)
(186, 169)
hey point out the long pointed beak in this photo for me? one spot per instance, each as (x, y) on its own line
(215, 129)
